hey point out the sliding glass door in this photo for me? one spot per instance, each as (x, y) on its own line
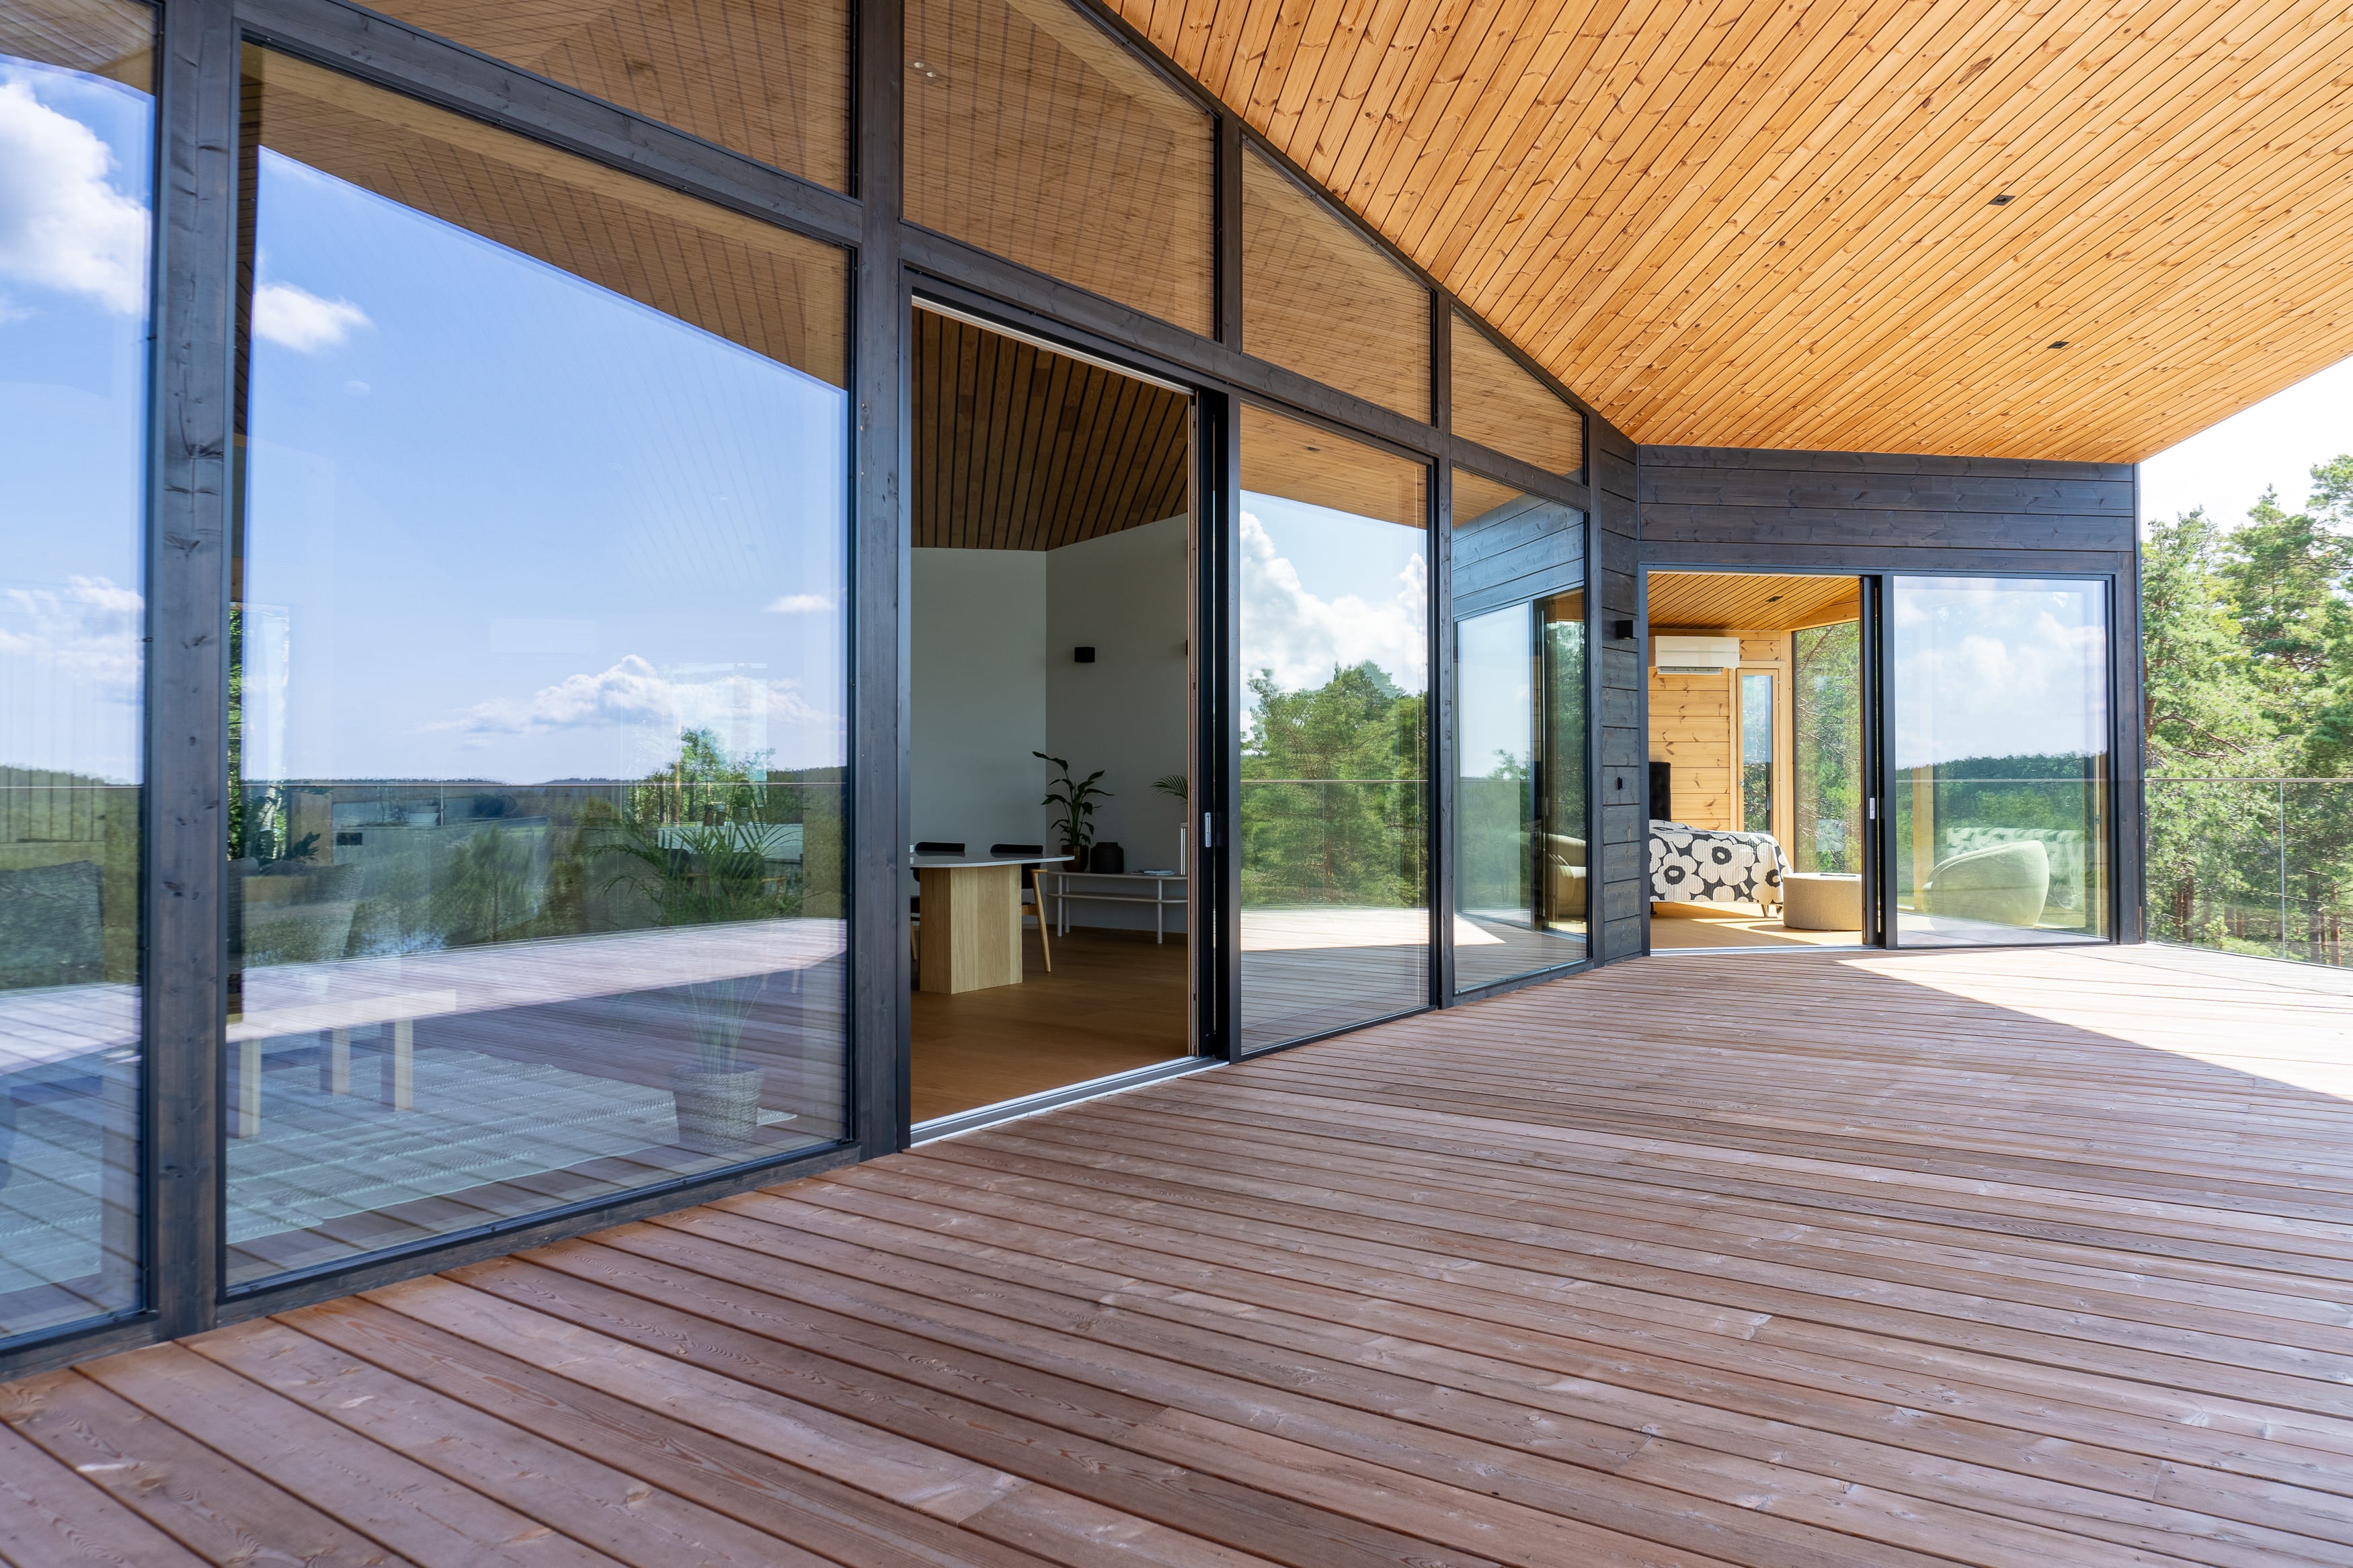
(1521, 857)
(1999, 723)
(1334, 638)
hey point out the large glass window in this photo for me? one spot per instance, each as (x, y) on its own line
(1321, 299)
(769, 79)
(1033, 133)
(1826, 758)
(1521, 841)
(2001, 721)
(1335, 661)
(1498, 405)
(76, 122)
(538, 705)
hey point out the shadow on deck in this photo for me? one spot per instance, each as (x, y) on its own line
(1998, 1258)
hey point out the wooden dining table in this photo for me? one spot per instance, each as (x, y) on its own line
(968, 934)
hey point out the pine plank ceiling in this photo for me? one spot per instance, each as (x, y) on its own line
(1774, 225)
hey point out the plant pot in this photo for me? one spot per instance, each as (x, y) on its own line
(718, 1107)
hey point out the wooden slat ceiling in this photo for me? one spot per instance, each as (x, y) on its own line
(1733, 224)
(1750, 601)
(1017, 447)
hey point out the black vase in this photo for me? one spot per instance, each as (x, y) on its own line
(1107, 860)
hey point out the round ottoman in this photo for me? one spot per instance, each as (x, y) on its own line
(1822, 900)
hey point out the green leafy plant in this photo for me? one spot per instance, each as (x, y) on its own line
(1076, 799)
(1174, 785)
(701, 873)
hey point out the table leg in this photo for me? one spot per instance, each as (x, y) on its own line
(1159, 913)
(247, 1117)
(335, 1072)
(399, 1089)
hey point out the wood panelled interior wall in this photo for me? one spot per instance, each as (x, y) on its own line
(769, 79)
(1988, 228)
(1692, 718)
(1018, 447)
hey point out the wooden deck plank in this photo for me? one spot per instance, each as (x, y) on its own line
(2001, 1259)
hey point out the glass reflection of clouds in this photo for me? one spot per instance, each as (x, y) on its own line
(76, 180)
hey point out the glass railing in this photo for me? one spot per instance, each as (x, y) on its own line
(2252, 865)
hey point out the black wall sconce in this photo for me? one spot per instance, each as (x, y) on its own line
(1083, 656)
(1622, 631)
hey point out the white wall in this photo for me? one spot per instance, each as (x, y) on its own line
(977, 688)
(1124, 595)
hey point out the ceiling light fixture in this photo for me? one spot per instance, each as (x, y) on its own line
(926, 70)
(2059, 344)
(2001, 201)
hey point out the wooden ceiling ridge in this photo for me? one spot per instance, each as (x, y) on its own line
(1732, 224)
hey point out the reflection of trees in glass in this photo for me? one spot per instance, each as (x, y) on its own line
(1826, 711)
(2248, 647)
(1331, 807)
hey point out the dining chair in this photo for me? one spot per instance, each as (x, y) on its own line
(1029, 895)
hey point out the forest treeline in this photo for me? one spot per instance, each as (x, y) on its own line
(2247, 637)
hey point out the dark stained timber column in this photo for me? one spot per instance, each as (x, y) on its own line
(77, 138)
(539, 735)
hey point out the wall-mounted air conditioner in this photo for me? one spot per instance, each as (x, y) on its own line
(1695, 655)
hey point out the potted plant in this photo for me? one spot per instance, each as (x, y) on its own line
(1076, 800)
(707, 874)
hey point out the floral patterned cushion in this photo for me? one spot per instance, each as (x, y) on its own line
(1707, 866)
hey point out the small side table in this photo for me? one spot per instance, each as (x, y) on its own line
(1822, 900)
(1158, 898)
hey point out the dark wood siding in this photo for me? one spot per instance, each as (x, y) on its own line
(1623, 920)
(1878, 511)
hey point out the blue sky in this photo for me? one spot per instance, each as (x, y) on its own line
(74, 181)
(2276, 443)
(504, 524)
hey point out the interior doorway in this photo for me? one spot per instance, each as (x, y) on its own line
(1758, 775)
(1051, 690)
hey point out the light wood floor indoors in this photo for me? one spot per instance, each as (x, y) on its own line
(1116, 1000)
(1733, 925)
(2018, 1259)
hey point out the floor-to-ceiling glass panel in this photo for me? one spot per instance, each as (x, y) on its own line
(538, 730)
(1321, 299)
(2000, 721)
(1826, 758)
(1335, 669)
(1499, 404)
(1034, 133)
(1756, 753)
(1520, 855)
(769, 79)
(76, 176)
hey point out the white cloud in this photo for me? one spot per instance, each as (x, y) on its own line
(299, 319)
(1302, 637)
(800, 605)
(61, 225)
(88, 632)
(633, 695)
(2014, 674)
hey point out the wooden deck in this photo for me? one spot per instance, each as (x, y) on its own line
(2033, 1258)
